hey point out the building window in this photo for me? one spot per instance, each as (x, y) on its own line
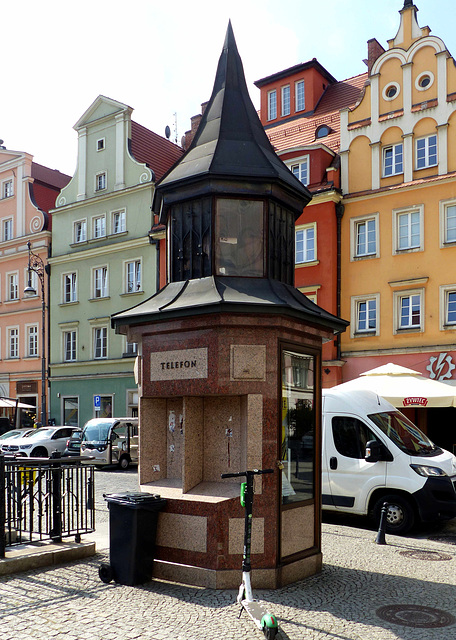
(131, 349)
(99, 227)
(450, 316)
(409, 310)
(13, 343)
(119, 223)
(392, 160)
(100, 282)
(408, 229)
(391, 91)
(32, 341)
(7, 230)
(80, 231)
(322, 131)
(7, 189)
(272, 105)
(286, 100)
(13, 286)
(69, 288)
(300, 96)
(100, 181)
(447, 306)
(305, 243)
(301, 170)
(426, 152)
(69, 346)
(100, 144)
(100, 342)
(448, 221)
(366, 315)
(133, 276)
(366, 237)
(71, 412)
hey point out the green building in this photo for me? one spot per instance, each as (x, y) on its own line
(102, 261)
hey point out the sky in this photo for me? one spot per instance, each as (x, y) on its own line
(160, 57)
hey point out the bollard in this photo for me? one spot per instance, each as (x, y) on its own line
(380, 539)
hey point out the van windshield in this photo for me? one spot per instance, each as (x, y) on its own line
(96, 431)
(404, 433)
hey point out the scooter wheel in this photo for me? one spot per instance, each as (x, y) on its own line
(105, 573)
(270, 632)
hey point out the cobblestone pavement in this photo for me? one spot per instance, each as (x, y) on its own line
(342, 603)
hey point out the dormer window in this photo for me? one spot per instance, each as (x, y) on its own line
(286, 100)
(322, 131)
(300, 95)
(301, 170)
(272, 105)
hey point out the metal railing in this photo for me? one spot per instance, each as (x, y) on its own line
(45, 499)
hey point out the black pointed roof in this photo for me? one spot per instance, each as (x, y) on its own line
(230, 142)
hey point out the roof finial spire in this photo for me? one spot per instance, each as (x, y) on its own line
(408, 3)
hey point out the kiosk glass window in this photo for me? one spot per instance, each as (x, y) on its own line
(239, 234)
(298, 427)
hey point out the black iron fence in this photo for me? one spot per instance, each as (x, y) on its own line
(45, 499)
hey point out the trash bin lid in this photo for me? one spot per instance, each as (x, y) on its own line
(136, 500)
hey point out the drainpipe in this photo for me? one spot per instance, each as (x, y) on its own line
(339, 214)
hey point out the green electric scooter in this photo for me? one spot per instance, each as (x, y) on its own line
(264, 620)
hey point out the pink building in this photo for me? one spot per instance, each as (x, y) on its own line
(27, 192)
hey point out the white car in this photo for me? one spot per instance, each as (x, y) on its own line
(41, 443)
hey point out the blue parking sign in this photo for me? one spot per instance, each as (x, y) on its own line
(97, 403)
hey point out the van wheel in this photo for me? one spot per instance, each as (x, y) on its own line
(400, 517)
(124, 463)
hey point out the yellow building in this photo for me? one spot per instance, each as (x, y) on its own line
(398, 154)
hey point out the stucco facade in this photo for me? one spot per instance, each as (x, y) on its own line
(399, 185)
(102, 261)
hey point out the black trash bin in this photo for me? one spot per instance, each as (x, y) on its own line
(133, 521)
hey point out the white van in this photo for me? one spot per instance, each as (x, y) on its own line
(111, 441)
(373, 454)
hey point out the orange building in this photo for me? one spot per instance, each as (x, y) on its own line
(399, 227)
(28, 192)
(300, 112)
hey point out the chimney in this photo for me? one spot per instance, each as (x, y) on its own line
(374, 51)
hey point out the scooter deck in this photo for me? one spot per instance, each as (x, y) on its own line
(256, 610)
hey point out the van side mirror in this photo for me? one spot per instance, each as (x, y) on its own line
(373, 451)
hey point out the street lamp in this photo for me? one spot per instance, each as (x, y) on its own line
(36, 264)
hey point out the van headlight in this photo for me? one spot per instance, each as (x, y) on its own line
(428, 472)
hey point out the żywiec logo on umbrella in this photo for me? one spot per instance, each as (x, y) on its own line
(409, 402)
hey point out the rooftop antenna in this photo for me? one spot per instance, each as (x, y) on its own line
(175, 127)
(1, 145)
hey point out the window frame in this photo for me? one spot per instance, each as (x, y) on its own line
(13, 340)
(398, 297)
(356, 301)
(444, 291)
(136, 262)
(305, 228)
(300, 96)
(272, 104)
(395, 170)
(99, 224)
(100, 282)
(397, 214)
(83, 225)
(7, 188)
(70, 295)
(122, 213)
(72, 335)
(298, 164)
(427, 164)
(354, 226)
(12, 282)
(32, 335)
(101, 176)
(285, 100)
(444, 205)
(7, 229)
(100, 333)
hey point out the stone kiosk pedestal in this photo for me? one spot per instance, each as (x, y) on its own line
(229, 367)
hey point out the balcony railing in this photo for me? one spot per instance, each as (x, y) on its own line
(45, 499)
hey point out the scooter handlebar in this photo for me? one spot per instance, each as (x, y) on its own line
(255, 472)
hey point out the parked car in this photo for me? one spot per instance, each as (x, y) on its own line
(11, 435)
(73, 444)
(41, 443)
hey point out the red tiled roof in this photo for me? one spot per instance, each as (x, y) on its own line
(301, 132)
(158, 153)
(47, 185)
